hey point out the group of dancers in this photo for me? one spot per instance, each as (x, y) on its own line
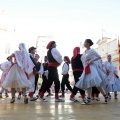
(22, 69)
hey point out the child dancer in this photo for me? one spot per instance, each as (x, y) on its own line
(65, 78)
(45, 76)
(112, 74)
(39, 70)
(32, 51)
(5, 68)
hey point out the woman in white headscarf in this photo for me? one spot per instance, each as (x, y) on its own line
(18, 75)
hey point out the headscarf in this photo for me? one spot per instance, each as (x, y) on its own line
(76, 50)
(23, 59)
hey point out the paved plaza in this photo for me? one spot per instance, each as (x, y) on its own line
(59, 111)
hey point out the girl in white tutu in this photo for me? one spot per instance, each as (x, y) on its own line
(5, 68)
(92, 74)
(17, 76)
(112, 74)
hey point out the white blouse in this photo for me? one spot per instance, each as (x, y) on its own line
(89, 55)
(111, 68)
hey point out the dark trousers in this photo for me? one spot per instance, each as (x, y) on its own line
(36, 81)
(65, 81)
(52, 77)
(76, 75)
(43, 84)
(95, 90)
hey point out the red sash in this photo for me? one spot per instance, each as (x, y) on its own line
(87, 69)
(53, 64)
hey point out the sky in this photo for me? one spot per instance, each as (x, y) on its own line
(68, 21)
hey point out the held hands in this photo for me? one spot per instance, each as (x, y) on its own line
(107, 72)
(89, 62)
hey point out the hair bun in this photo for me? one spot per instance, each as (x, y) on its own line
(90, 42)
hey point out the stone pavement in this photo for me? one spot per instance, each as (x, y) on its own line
(59, 111)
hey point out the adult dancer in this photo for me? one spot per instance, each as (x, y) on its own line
(77, 68)
(17, 76)
(92, 75)
(54, 59)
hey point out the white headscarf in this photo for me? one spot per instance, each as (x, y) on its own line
(23, 59)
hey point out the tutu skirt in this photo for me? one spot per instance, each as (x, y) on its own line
(116, 86)
(16, 78)
(96, 77)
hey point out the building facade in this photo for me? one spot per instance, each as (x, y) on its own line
(41, 44)
(108, 46)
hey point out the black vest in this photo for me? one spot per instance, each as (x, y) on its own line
(50, 57)
(45, 66)
(32, 60)
(77, 63)
(38, 65)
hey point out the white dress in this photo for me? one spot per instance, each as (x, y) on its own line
(5, 68)
(96, 77)
(16, 77)
(102, 67)
(114, 82)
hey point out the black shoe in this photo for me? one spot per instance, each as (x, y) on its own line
(33, 99)
(26, 100)
(109, 96)
(115, 96)
(37, 96)
(43, 99)
(62, 96)
(106, 99)
(59, 100)
(12, 100)
(73, 99)
(6, 95)
(49, 95)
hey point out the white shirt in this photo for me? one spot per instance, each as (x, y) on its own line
(57, 56)
(65, 69)
(41, 71)
(111, 68)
